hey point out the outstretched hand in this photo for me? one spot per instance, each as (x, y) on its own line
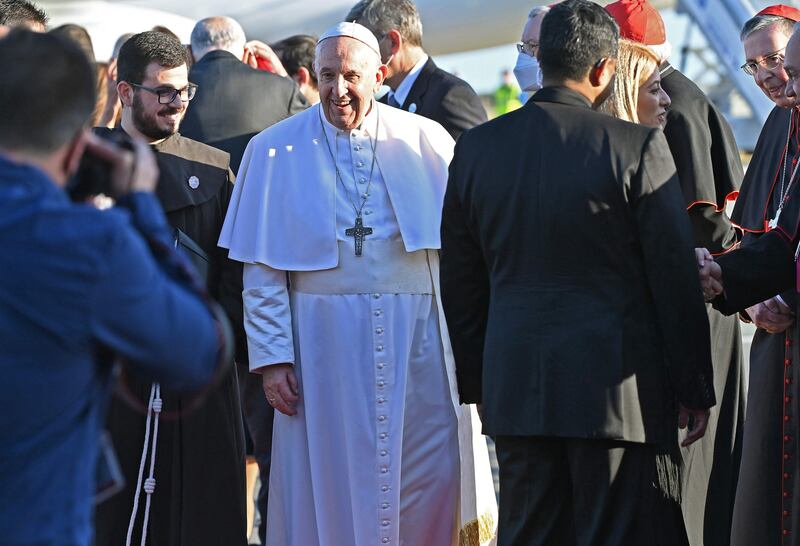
(710, 274)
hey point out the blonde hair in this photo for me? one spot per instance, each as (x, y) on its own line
(635, 64)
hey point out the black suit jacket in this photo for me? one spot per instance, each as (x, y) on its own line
(568, 276)
(234, 102)
(444, 98)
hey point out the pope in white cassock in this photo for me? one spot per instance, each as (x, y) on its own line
(336, 215)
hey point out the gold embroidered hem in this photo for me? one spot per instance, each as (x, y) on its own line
(478, 531)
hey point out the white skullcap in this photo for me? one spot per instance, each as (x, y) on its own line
(355, 31)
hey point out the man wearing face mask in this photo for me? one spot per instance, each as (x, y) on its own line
(527, 71)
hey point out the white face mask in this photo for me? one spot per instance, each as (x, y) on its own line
(528, 73)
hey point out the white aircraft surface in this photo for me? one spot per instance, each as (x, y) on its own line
(449, 25)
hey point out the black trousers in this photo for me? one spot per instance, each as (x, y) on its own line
(575, 492)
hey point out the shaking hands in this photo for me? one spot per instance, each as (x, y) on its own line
(710, 274)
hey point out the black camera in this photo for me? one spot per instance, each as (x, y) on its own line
(93, 176)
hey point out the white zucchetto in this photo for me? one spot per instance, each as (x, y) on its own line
(355, 31)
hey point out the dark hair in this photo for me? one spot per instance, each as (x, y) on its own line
(575, 35)
(148, 47)
(77, 35)
(381, 16)
(297, 52)
(47, 91)
(165, 30)
(20, 13)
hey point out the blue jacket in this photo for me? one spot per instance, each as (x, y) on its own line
(73, 280)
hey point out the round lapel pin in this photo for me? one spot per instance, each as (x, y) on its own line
(194, 182)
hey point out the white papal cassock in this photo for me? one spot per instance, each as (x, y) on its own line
(380, 451)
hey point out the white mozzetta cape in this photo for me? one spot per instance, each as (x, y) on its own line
(282, 211)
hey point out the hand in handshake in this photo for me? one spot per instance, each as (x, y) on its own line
(710, 274)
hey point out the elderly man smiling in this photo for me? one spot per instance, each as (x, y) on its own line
(344, 200)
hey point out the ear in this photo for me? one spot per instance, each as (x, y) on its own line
(395, 41)
(74, 152)
(601, 74)
(303, 76)
(380, 75)
(125, 92)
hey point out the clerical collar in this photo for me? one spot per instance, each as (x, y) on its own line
(368, 127)
(401, 93)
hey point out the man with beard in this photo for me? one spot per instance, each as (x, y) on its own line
(576, 323)
(760, 501)
(199, 465)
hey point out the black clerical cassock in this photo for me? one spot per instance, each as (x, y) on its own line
(758, 508)
(754, 273)
(200, 489)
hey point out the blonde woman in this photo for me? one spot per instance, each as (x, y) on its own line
(638, 96)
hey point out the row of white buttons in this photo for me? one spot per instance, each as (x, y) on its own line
(381, 399)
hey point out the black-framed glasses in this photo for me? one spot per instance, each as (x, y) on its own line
(166, 95)
(771, 61)
(528, 48)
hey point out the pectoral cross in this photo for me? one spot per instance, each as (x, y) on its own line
(774, 222)
(358, 232)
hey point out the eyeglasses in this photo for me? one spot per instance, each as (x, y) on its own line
(770, 62)
(528, 48)
(166, 95)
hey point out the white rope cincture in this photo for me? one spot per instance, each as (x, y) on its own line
(154, 407)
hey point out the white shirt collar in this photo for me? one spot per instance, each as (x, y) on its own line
(368, 127)
(401, 93)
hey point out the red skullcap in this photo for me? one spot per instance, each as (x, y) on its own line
(638, 21)
(782, 10)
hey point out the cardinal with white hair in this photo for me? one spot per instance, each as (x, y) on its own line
(336, 215)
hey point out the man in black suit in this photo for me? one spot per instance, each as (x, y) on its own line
(417, 84)
(233, 100)
(574, 321)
